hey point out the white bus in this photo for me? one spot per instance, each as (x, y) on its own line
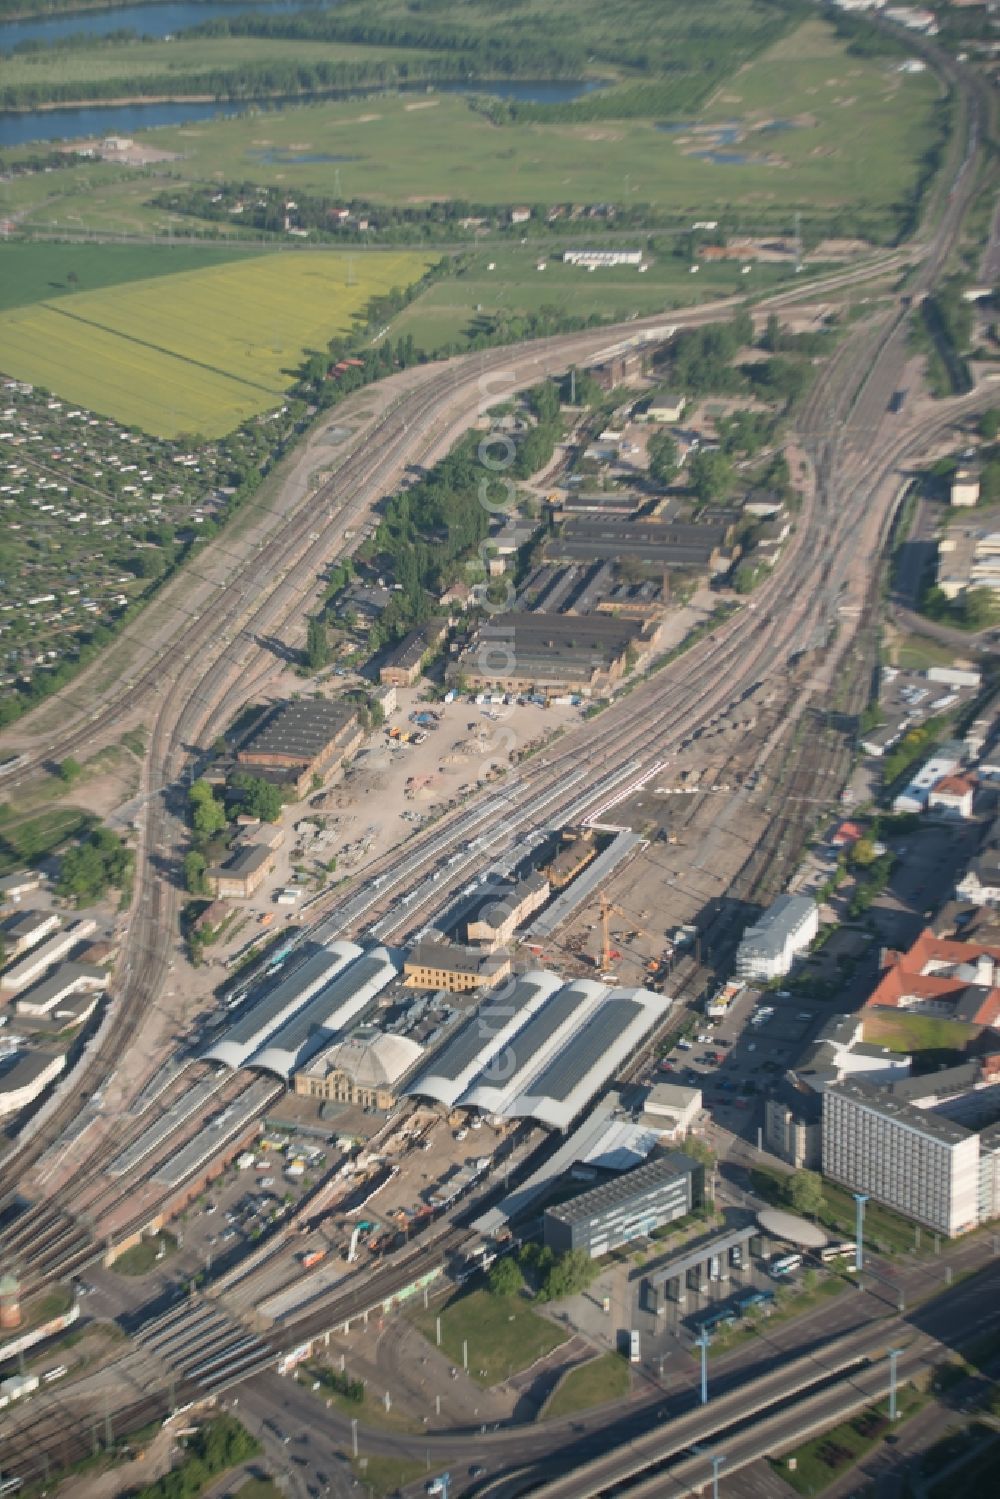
(837, 1251)
(784, 1264)
(634, 1351)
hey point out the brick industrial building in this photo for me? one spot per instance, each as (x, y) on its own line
(300, 740)
(406, 661)
(551, 653)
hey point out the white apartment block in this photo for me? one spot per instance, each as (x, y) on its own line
(911, 1160)
(769, 947)
(989, 1174)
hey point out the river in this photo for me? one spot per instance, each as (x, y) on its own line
(128, 119)
(146, 20)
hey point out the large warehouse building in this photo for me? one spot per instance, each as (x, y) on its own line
(301, 740)
(550, 653)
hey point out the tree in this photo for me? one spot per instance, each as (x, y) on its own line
(806, 1193)
(317, 645)
(570, 1273)
(979, 608)
(505, 1278)
(208, 816)
(863, 853)
(748, 575)
(662, 450)
(989, 424)
(771, 337)
(710, 475)
(102, 859)
(259, 798)
(194, 872)
(70, 770)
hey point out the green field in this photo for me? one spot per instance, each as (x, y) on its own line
(180, 353)
(40, 272)
(604, 1379)
(914, 1033)
(25, 841)
(451, 310)
(918, 652)
(812, 1467)
(386, 1475)
(503, 1334)
(858, 130)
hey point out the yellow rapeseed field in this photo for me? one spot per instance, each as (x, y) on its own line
(201, 351)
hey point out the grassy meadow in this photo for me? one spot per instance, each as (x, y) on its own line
(855, 132)
(198, 351)
(456, 308)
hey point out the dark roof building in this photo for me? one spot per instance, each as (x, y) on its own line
(241, 875)
(405, 662)
(300, 740)
(613, 502)
(636, 1203)
(298, 732)
(662, 543)
(554, 652)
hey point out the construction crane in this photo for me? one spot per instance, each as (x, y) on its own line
(607, 951)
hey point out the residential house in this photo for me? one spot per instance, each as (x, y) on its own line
(951, 797)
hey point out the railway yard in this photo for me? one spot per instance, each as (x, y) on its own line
(254, 1167)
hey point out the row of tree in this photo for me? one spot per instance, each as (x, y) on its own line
(552, 1276)
(263, 80)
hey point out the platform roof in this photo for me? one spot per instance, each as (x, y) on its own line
(591, 1057)
(545, 1034)
(484, 1036)
(280, 1001)
(328, 1012)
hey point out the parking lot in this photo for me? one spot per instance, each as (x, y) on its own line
(736, 1059)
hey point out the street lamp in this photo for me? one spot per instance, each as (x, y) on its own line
(716, 1459)
(702, 1341)
(860, 1198)
(893, 1360)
